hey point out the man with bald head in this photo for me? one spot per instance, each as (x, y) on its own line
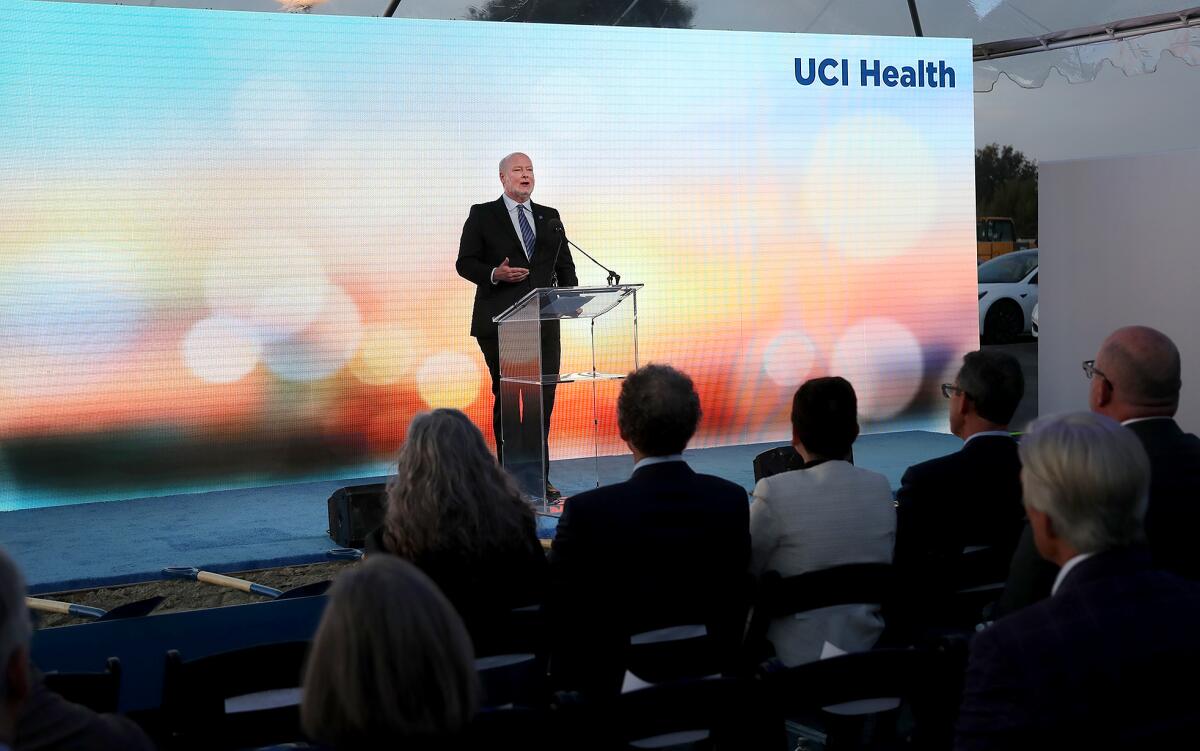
(508, 247)
(1135, 380)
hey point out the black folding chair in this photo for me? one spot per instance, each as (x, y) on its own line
(781, 459)
(512, 660)
(99, 692)
(779, 597)
(776, 460)
(698, 714)
(239, 699)
(882, 699)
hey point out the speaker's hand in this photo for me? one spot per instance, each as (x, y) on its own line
(510, 274)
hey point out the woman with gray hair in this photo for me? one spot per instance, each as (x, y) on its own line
(459, 517)
(391, 664)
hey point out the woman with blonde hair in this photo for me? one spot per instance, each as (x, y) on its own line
(458, 516)
(391, 663)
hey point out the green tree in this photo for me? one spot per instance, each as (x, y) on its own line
(675, 14)
(1006, 184)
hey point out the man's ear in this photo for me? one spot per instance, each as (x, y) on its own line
(1045, 537)
(966, 406)
(1104, 392)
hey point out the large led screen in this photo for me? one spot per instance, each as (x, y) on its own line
(228, 244)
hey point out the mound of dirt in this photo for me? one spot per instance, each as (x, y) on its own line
(182, 594)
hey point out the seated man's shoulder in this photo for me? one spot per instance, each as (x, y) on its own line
(605, 494)
(720, 483)
(49, 721)
(936, 466)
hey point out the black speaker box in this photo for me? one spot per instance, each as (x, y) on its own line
(354, 511)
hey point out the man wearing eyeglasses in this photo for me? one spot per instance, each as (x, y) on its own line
(969, 500)
(1135, 379)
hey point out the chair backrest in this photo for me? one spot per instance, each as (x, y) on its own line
(781, 459)
(778, 596)
(776, 460)
(521, 630)
(238, 699)
(698, 713)
(981, 564)
(99, 692)
(673, 653)
(512, 680)
(927, 681)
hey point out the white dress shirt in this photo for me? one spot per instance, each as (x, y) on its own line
(1066, 569)
(648, 460)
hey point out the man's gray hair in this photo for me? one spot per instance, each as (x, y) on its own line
(508, 157)
(15, 628)
(1091, 476)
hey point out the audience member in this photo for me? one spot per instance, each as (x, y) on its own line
(828, 513)
(971, 498)
(1106, 660)
(666, 547)
(14, 649)
(391, 663)
(32, 717)
(1135, 379)
(456, 514)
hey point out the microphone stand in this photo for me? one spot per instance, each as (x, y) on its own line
(613, 277)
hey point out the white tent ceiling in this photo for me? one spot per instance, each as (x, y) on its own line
(1022, 39)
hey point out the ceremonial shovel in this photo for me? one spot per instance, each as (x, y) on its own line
(134, 609)
(305, 590)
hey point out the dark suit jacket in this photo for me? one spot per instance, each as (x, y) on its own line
(968, 498)
(667, 547)
(1108, 662)
(48, 721)
(488, 237)
(1173, 516)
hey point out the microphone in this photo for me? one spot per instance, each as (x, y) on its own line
(556, 226)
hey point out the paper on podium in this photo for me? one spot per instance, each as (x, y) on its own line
(565, 306)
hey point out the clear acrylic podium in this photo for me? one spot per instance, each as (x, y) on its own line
(551, 340)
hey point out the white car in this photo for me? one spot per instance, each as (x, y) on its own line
(1008, 292)
(1034, 329)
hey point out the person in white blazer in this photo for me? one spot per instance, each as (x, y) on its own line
(828, 513)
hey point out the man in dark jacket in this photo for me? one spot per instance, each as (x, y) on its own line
(966, 501)
(667, 547)
(1106, 660)
(1135, 380)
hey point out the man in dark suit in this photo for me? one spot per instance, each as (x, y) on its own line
(1135, 379)
(508, 247)
(1107, 659)
(971, 498)
(667, 547)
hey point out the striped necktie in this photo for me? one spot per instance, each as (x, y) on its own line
(526, 231)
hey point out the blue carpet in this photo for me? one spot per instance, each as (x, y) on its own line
(92, 544)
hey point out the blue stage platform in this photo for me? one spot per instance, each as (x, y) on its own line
(93, 544)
